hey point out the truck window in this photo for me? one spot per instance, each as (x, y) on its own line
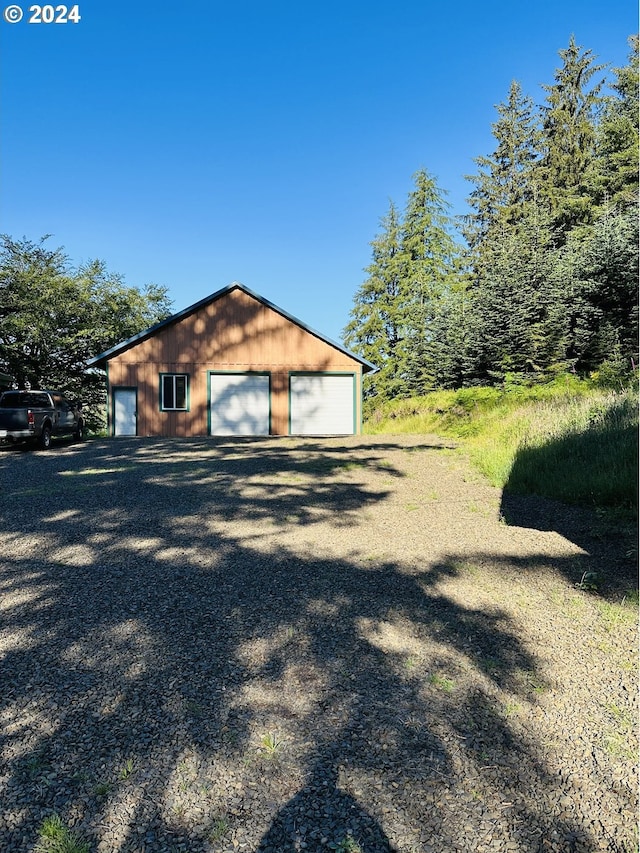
(31, 400)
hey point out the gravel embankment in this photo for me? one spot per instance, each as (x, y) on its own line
(288, 644)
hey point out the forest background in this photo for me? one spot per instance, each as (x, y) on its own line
(541, 277)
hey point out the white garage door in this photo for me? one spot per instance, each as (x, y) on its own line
(322, 404)
(239, 404)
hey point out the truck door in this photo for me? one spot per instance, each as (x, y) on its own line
(64, 415)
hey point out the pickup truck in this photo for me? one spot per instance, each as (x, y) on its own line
(37, 416)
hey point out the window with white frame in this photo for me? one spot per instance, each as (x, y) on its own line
(174, 389)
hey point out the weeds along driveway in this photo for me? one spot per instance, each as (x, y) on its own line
(290, 644)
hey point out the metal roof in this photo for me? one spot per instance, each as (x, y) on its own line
(100, 360)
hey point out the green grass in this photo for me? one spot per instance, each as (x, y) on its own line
(56, 837)
(567, 440)
(613, 614)
(126, 770)
(618, 737)
(271, 744)
(347, 845)
(218, 829)
(101, 789)
(441, 682)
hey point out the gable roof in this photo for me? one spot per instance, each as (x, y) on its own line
(101, 360)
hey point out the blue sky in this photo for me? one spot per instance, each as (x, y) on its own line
(194, 143)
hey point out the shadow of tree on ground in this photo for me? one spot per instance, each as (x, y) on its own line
(184, 668)
(610, 549)
(592, 465)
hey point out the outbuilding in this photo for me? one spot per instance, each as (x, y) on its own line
(232, 364)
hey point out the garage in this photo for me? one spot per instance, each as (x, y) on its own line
(239, 404)
(232, 364)
(322, 404)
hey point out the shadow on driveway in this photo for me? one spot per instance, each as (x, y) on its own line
(182, 670)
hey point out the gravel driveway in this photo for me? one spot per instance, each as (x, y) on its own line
(288, 644)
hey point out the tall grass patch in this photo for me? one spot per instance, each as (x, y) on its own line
(566, 440)
(583, 451)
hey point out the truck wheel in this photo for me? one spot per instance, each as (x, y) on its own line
(79, 433)
(44, 441)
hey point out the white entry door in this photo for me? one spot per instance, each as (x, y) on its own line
(125, 414)
(322, 404)
(239, 404)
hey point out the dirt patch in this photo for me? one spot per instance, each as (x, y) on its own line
(290, 644)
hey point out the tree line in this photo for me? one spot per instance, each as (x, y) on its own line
(541, 275)
(54, 316)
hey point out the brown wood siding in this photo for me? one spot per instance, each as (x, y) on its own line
(234, 333)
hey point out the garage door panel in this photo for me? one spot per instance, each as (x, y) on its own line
(321, 404)
(239, 404)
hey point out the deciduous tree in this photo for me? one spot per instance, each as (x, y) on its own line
(54, 317)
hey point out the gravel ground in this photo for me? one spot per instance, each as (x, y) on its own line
(287, 644)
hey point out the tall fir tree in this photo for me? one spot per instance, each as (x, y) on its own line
(550, 279)
(569, 139)
(507, 230)
(513, 319)
(504, 183)
(614, 173)
(593, 266)
(375, 328)
(413, 264)
(452, 351)
(431, 263)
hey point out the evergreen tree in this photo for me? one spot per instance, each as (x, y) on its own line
(614, 176)
(551, 275)
(375, 328)
(590, 180)
(569, 139)
(452, 351)
(515, 324)
(596, 277)
(508, 313)
(412, 266)
(504, 183)
(430, 256)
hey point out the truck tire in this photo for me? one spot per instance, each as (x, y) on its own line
(44, 442)
(79, 433)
